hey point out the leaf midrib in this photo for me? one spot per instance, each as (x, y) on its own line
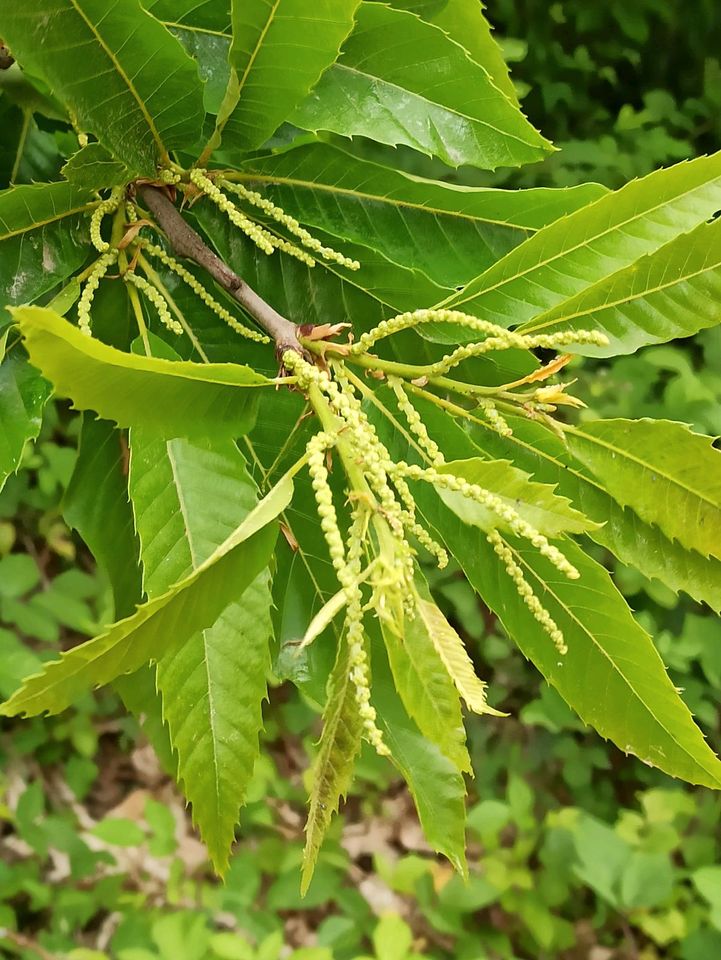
(579, 246)
(128, 82)
(38, 224)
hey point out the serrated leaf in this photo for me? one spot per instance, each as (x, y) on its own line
(447, 231)
(453, 654)
(667, 474)
(463, 20)
(42, 238)
(383, 88)
(126, 78)
(427, 691)
(671, 293)
(536, 503)
(187, 499)
(636, 543)
(338, 747)
(612, 675)
(575, 253)
(170, 398)
(438, 789)
(23, 395)
(94, 168)
(278, 53)
(193, 604)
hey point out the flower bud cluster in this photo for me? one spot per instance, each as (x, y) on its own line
(494, 418)
(85, 302)
(157, 300)
(200, 291)
(525, 591)
(291, 224)
(169, 176)
(101, 211)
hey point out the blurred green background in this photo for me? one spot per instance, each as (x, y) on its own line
(576, 851)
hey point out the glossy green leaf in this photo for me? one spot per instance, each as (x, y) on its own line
(339, 745)
(278, 53)
(663, 471)
(171, 398)
(23, 395)
(463, 20)
(536, 503)
(447, 231)
(401, 80)
(192, 605)
(438, 789)
(573, 254)
(126, 78)
(673, 292)
(426, 689)
(43, 238)
(187, 500)
(93, 168)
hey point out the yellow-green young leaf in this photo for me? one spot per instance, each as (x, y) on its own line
(667, 474)
(581, 250)
(426, 689)
(537, 503)
(193, 604)
(169, 398)
(612, 675)
(333, 767)
(382, 88)
(43, 238)
(437, 787)
(454, 656)
(187, 499)
(447, 231)
(279, 51)
(671, 293)
(125, 77)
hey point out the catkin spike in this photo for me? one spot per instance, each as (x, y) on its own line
(85, 302)
(413, 418)
(494, 418)
(200, 291)
(291, 224)
(157, 300)
(101, 211)
(256, 233)
(525, 591)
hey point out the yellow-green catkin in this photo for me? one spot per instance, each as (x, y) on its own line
(203, 294)
(291, 224)
(494, 418)
(158, 301)
(525, 591)
(256, 233)
(415, 318)
(85, 302)
(413, 418)
(96, 221)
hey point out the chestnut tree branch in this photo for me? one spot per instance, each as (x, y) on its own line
(187, 242)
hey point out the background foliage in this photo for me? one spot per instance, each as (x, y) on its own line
(573, 847)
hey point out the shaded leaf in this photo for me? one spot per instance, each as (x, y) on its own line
(401, 80)
(42, 238)
(448, 231)
(23, 395)
(93, 168)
